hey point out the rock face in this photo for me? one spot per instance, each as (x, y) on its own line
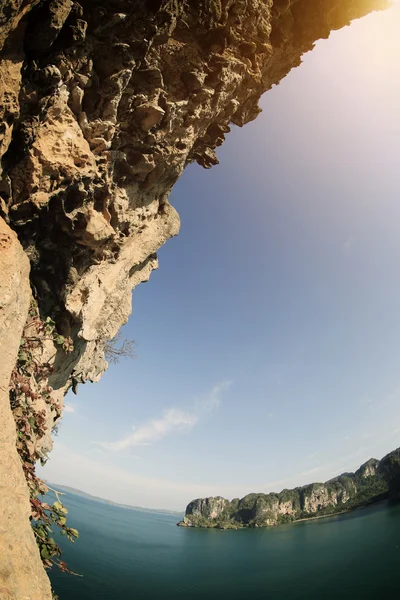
(212, 509)
(21, 572)
(373, 481)
(368, 469)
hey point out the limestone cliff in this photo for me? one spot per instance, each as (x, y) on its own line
(373, 481)
(102, 105)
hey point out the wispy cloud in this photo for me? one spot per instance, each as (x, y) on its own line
(390, 398)
(69, 408)
(311, 456)
(173, 421)
(348, 244)
(310, 472)
(106, 478)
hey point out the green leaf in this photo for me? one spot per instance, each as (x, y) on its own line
(59, 339)
(44, 552)
(41, 532)
(23, 357)
(74, 532)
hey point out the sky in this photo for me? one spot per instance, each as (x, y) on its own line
(267, 343)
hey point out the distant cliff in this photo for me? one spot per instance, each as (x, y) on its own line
(374, 481)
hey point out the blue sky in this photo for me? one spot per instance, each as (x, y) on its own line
(268, 342)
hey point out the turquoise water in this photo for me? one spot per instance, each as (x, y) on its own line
(125, 554)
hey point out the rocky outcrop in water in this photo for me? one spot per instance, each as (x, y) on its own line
(372, 482)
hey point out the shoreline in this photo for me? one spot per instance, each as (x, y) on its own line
(348, 511)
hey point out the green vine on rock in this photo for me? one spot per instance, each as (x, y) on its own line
(45, 515)
(32, 404)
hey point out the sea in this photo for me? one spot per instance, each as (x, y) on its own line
(125, 554)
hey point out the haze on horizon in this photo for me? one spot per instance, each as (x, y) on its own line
(268, 342)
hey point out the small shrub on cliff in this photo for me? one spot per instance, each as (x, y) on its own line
(116, 349)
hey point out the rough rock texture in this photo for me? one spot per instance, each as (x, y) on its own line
(368, 469)
(374, 481)
(21, 572)
(209, 508)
